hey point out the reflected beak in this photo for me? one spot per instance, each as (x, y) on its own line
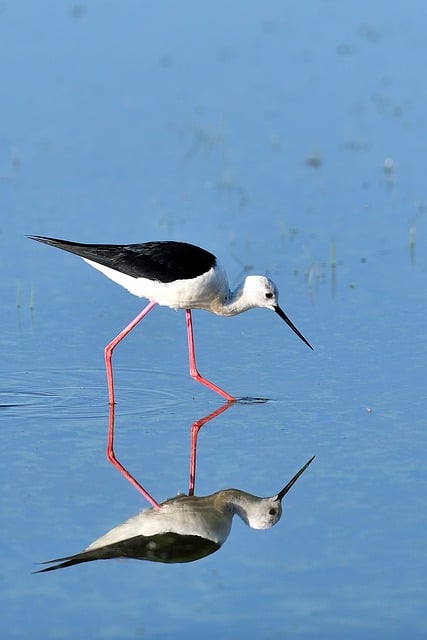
(284, 317)
(291, 482)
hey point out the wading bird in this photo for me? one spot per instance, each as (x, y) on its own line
(177, 275)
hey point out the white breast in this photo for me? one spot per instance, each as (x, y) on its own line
(177, 517)
(203, 292)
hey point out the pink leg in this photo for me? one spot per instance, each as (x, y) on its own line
(195, 428)
(193, 368)
(108, 351)
(112, 458)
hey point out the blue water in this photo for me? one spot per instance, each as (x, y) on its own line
(289, 140)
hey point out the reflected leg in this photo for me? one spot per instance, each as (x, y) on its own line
(192, 358)
(195, 428)
(108, 351)
(111, 457)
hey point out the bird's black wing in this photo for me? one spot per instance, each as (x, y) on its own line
(164, 547)
(164, 260)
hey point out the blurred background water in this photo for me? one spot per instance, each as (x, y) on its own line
(287, 138)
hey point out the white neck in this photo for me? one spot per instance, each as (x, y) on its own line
(243, 504)
(258, 513)
(236, 302)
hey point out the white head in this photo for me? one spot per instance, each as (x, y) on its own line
(259, 291)
(263, 513)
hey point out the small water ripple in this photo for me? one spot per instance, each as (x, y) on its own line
(76, 392)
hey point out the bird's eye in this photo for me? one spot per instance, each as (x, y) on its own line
(269, 295)
(272, 511)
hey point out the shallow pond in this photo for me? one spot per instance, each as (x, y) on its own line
(288, 141)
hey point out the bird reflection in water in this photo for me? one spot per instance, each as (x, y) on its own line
(184, 528)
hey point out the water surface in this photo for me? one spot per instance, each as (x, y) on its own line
(289, 141)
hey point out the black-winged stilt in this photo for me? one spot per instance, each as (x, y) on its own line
(177, 275)
(184, 528)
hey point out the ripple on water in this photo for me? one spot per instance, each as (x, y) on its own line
(79, 392)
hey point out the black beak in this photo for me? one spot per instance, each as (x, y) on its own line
(291, 482)
(284, 317)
